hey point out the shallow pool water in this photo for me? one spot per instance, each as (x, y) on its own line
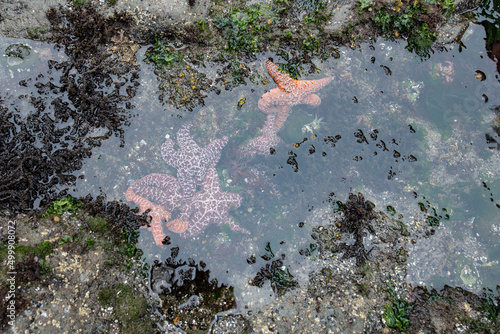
(414, 136)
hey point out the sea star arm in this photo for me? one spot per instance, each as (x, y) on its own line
(184, 139)
(169, 154)
(281, 116)
(233, 226)
(188, 182)
(157, 213)
(178, 226)
(263, 143)
(159, 188)
(313, 100)
(283, 80)
(211, 183)
(212, 152)
(267, 102)
(197, 223)
(306, 87)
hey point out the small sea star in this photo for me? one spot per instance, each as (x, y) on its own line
(191, 161)
(290, 92)
(314, 125)
(211, 205)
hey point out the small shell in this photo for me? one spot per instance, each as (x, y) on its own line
(480, 75)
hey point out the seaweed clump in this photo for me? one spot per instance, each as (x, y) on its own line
(77, 104)
(275, 272)
(357, 214)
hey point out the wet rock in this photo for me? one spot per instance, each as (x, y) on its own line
(439, 311)
(452, 30)
(341, 14)
(130, 307)
(26, 19)
(18, 56)
(66, 282)
(230, 324)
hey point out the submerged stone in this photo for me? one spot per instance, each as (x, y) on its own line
(19, 55)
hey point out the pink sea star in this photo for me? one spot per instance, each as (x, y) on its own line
(211, 205)
(290, 92)
(191, 160)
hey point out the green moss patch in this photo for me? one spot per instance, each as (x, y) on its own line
(65, 204)
(98, 225)
(129, 306)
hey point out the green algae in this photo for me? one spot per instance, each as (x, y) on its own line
(397, 313)
(128, 245)
(98, 225)
(66, 239)
(244, 29)
(38, 33)
(65, 204)
(163, 55)
(79, 3)
(129, 306)
(43, 249)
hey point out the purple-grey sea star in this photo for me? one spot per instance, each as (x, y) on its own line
(162, 189)
(211, 205)
(191, 161)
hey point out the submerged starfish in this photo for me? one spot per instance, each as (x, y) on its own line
(290, 92)
(157, 213)
(264, 143)
(159, 188)
(210, 206)
(191, 160)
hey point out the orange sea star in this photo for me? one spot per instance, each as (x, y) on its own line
(290, 92)
(157, 213)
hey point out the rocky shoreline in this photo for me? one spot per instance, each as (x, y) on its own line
(79, 270)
